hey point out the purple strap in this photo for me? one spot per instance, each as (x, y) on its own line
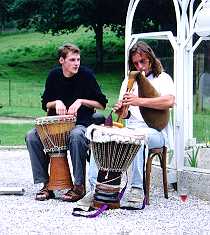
(78, 212)
(104, 207)
(100, 210)
(120, 195)
(81, 213)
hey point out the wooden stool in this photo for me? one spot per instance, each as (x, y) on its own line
(161, 153)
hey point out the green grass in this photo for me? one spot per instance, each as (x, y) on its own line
(25, 97)
(20, 48)
(14, 134)
(22, 112)
(201, 126)
(25, 60)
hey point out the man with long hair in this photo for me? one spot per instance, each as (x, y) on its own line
(142, 58)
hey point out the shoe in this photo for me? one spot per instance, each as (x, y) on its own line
(172, 187)
(75, 194)
(86, 200)
(135, 195)
(44, 194)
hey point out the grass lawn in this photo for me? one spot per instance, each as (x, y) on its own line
(25, 60)
(13, 134)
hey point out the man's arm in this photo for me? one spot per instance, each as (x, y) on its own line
(88, 103)
(161, 102)
(91, 104)
(58, 105)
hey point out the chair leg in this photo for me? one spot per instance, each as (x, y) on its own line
(148, 173)
(165, 183)
(162, 157)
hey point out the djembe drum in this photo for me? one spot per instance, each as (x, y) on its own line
(113, 149)
(54, 134)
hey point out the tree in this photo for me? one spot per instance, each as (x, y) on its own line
(4, 13)
(59, 16)
(155, 15)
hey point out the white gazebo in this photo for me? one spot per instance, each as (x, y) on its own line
(192, 28)
(189, 21)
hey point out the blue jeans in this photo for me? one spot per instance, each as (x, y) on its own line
(155, 140)
(78, 145)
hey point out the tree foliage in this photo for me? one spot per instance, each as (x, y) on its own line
(155, 15)
(60, 16)
(4, 13)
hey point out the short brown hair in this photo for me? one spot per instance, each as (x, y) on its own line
(143, 48)
(66, 48)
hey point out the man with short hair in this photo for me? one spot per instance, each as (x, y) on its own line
(70, 89)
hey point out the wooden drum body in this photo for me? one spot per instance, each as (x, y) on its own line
(54, 134)
(114, 149)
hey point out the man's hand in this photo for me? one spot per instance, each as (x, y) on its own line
(118, 108)
(130, 99)
(60, 107)
(74, 107)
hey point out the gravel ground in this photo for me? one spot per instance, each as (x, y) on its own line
(23, 215)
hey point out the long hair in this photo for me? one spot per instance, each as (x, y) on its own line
(143, 48)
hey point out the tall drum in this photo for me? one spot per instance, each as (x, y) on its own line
(114, 149)
(54, 134)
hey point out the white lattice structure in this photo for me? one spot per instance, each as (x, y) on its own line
(189, 22)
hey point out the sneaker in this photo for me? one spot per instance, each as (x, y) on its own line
(172, 187)
(135, 195)
(86, 200)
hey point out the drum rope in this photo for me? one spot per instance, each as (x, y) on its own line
(108, 181)
(113, 156)
(118, 156)
(79, 212)
(56, 147)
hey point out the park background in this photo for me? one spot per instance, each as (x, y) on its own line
(31, 32)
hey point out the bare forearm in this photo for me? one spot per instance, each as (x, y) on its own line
(91, 104)
(162, 102)
(58, 105)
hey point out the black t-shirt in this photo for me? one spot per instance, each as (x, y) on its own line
(82, 85)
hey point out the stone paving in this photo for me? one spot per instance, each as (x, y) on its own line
(25, 216)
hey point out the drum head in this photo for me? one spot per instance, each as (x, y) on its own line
(55, 119)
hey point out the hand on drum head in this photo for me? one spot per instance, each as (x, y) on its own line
(74, 107)
(60, 107)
